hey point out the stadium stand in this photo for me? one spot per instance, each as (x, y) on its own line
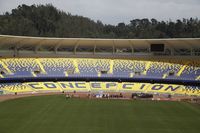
(146, 72)
(87, 67)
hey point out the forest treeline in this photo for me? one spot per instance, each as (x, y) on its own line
(48, 21)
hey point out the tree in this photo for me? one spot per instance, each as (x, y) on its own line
(46, 20)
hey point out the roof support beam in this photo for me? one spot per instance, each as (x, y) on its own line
(58, 44)
(132, 47)
(56, 48)
(37, 48)
(15, 51)
(113, 47)
(95, 46)
(75, 46)
(38, 45)
(170, 47)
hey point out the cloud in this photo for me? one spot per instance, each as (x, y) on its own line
(115, 11)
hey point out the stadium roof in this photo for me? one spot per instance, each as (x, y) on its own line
(24, 41)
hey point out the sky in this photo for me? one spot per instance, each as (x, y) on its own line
(115, 11)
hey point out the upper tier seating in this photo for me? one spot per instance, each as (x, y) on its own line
(87, 67)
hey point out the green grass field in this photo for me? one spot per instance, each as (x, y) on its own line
(55, 114)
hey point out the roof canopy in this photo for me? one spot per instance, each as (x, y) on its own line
(24, 41)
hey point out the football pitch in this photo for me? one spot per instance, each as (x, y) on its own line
(55, 114)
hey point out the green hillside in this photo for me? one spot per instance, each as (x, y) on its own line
(48, 21)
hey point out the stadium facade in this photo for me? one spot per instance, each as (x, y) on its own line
(158, 66)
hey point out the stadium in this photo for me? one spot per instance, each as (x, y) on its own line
(99, 85)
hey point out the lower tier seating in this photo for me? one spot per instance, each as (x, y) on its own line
(88, 67)
(35, 87)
